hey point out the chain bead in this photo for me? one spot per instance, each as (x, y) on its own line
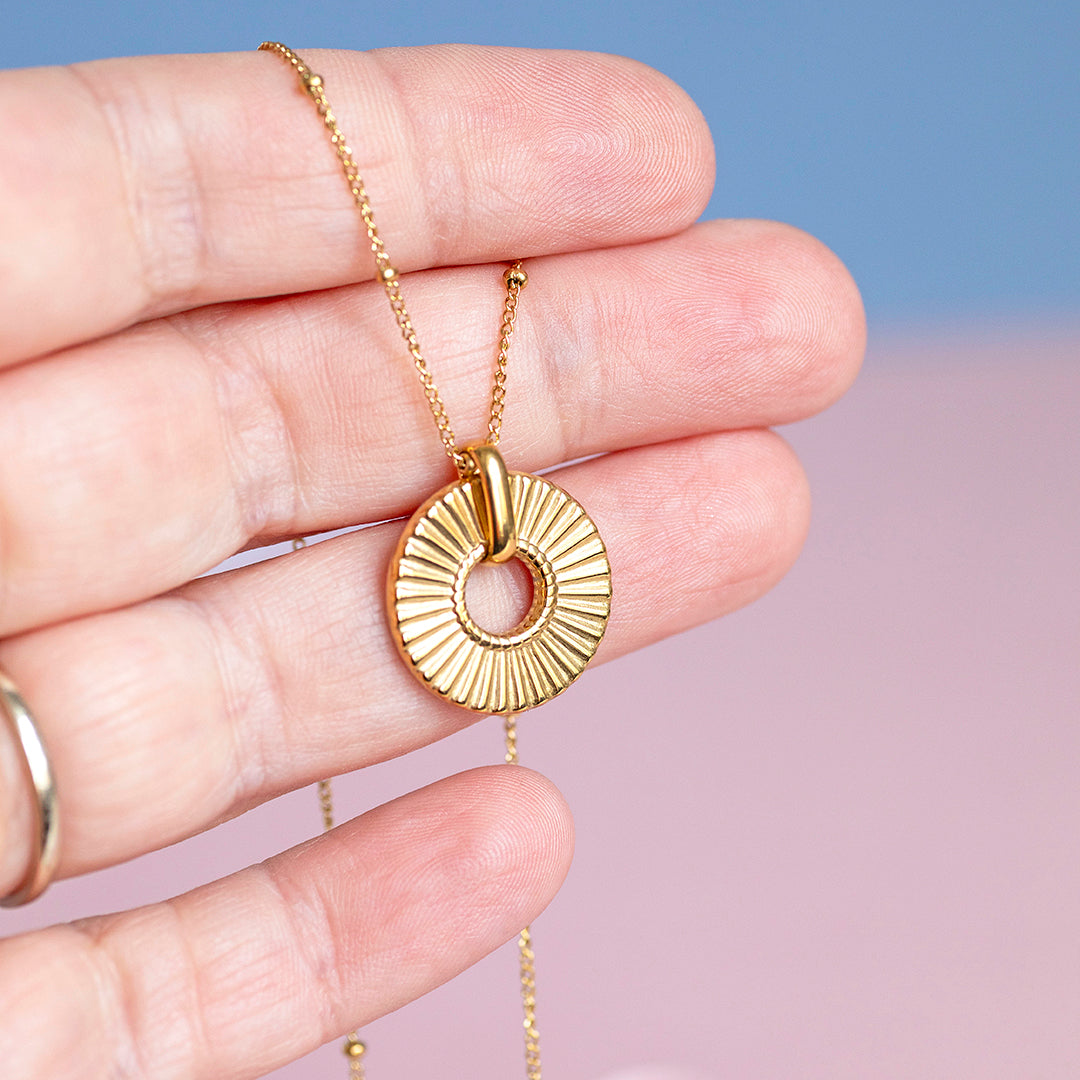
(516, 277)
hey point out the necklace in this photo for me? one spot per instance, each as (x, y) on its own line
(486, 513)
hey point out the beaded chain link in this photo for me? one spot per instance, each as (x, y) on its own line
(526, 956)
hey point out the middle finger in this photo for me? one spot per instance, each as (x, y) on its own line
(130, 465)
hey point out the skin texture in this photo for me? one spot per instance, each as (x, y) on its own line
(196, 361)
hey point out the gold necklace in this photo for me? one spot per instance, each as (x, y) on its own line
(486, 513)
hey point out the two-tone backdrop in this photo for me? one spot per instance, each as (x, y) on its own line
(871, 775)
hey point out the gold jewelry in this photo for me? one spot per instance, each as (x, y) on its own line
(45, 854)
(487, 513)
(439, 639)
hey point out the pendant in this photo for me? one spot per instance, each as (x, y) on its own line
(498, 515)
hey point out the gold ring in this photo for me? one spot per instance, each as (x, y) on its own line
(46, 852)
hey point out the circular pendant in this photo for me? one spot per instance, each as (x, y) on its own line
(438, 638)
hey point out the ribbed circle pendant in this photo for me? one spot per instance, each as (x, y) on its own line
(441, 642)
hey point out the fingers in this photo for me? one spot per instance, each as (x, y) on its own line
(173, 715)
(246, 974)
(156, 184)
(130, 465)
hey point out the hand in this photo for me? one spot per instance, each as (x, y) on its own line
(195, 360)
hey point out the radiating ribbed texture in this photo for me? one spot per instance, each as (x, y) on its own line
(447, 650)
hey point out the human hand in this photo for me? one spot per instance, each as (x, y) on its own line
(193, 364)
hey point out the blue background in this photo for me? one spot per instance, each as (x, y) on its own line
(935, 148)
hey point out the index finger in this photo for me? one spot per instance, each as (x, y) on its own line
(138, 187)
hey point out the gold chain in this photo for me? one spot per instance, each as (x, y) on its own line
(354, 1047)
(516, 279)
(526, 956)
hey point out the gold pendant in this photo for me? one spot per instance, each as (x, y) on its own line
(499, 515)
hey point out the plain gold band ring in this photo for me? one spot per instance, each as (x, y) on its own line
(45, 853)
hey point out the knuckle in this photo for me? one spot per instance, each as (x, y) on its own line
(158, 180)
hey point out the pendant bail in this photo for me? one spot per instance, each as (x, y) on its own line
(496, 510)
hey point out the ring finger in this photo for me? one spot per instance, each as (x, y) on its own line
(182, 711)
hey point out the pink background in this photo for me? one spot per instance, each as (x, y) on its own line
(835, 835)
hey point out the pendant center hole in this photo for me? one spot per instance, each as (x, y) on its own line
(499, 595)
